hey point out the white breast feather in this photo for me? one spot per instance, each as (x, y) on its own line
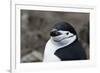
(49, 52)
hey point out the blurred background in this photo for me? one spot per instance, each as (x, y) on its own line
(35, 28)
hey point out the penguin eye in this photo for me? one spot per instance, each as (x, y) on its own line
(67, 33)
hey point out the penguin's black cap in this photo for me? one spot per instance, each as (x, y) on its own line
(64, 26)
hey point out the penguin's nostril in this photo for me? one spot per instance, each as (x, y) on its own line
(54, 33)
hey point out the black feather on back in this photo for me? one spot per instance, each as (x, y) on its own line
(73, 51)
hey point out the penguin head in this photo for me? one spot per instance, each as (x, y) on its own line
(63, 31)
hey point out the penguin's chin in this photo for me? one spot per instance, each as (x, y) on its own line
(61, 39)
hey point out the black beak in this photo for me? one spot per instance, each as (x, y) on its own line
(54, 33)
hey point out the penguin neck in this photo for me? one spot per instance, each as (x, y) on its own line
(64, 42)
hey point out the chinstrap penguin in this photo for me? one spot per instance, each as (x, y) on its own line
(63, 44)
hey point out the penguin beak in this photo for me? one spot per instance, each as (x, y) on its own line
(54, 33)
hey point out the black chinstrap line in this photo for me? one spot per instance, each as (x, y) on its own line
(63, 39)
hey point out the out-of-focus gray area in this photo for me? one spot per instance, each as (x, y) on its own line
(35, 28)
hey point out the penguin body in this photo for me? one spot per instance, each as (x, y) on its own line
(74, 51)
(63, 44)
